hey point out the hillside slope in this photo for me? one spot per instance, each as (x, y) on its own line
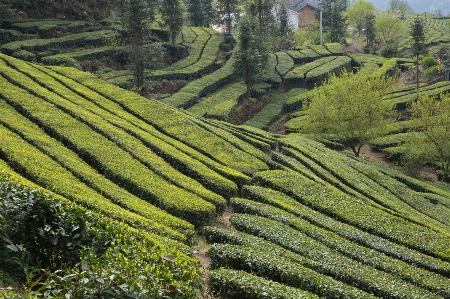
(309, 221)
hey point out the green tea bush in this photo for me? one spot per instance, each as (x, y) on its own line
(37, 232)
(231, 284)
(8, 36)
(60, 250)
(47, 31)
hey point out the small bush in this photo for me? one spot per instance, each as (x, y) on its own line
(429, 61)
(25, 55)
(47, 31)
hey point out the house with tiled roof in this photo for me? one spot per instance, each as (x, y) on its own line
(301, 11)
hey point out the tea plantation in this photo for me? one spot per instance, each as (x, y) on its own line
(144, 177)
(108, 194)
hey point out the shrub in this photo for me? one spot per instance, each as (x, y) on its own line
(8, 36)
(429, 61)
(47, 31)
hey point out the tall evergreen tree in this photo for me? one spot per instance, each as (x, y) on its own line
(228, 8)
(283, 21)
(417, 32)
(370, 31)
(136, 16)
(333, 18)
(209, 13)
(195, 13)
(252, 54)
(172, 12)
(262, 10)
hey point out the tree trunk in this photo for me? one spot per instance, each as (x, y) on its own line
(417, 75)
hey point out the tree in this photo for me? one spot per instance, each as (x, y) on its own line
(333, 18)
(370, 32)
(393, 4)
(349, 107)
(417, 32)
(356, 14)
(283, 21)
(228, 8)
(389, 30)
(138, 14)
(209, 13)
(252, 53)
(172, 12)
(338, 27)
(262, 9)
(195, 13)
(431, 116)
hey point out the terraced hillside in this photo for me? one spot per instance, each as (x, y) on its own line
(307, 223)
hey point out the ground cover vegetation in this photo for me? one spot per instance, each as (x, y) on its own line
(118, 189)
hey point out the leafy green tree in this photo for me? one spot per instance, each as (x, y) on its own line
(172, 12)
(417, 32)
(389, 30)
(252, 54)
(349, 107)
(338, 27)
(404, 8)
(356, 14)
(431, 116)
(7, 10)
(394, 4)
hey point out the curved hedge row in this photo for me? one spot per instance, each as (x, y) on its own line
(228, 160)
(220, 104)
(157, 142)
(73, 104)
(107, 156)
(275, 263)
(40, 168)
(30, 132)
(299, 73)
(95, 38)
(190, 94)
(339, 250)
(73, 58)
(333, 202)
(231, 284)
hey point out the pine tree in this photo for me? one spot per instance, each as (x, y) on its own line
(417, 33)
(172, 12)
(333, 18)
(283, 21)
(209, 13)
(195, 13)
(252, 54)
(228, 7)
(370, 31)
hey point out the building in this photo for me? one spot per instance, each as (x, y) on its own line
(301, 12)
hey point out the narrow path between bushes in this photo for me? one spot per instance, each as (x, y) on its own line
(201, 248)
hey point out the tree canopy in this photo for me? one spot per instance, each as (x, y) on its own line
(431, 117)
(252, 54)
(356, 14)
(389, 30)
(349, 108)
(417, 32)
